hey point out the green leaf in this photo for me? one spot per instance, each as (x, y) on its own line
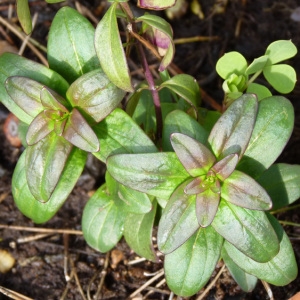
(259, 90)
(185, 86)
(282, 77)
(24, 16)
(138, 233)
(242, 190)
(95, 94)
(25, 94)
(196, 158)
(157, 174)
(257, 65)
(71, 50)
(102, 221)
(155, 4)
(231, 62)
(247, 282)
(118, 133)
(54, 1)
(164, 29)
(45, 162)
(232, 131)
(273, 126)
(282, 182)
(37, 211)
(280, 270)
(178, 221)
(110, 51)
(79, 133)
(181, 122)
(189, 267)
(248, 230)
(280, 50)
(15, 65)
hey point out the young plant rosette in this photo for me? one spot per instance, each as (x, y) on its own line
(213, 206)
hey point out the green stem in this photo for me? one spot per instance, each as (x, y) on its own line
(289, 223)
(254, 76)
(147, 72)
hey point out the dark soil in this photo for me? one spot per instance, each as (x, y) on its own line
(39, 272)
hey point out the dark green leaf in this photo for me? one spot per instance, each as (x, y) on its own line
(78, 132)
(189, 267)
(196, 158)
(24, 15)
(233, 129)
(37, 211)
(110, 51)
(95, 94)
(179, 121)
(242, 190)
(71, 50)
(15, 65)
(178, 221)
(282, 182)
(273, 128)
(102, 221)
(246, 281)
(118, 133)
(138, 233)
(280, 270)
(157, 174)
(45, 162)
(248, 230)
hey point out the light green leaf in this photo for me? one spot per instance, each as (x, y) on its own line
(181, 122)
(242, 190)
(273, 126)
(110, 50)
(196, 158)
(54, 1)
(102, 221)
(282, 182)
(189, 267)
(280, 50)
(138, 233)
(95, 94)
(157, 174)
(281, 77)
(185, 86)
(280, 270)
(257, 65)
(118, 133)
(247, 282)
(248, 230)
(45, 162)
(71, 50)
(178, 221)
(259, 90)
(231, 63)
(15, 65)
(37, 211)
(232, 131)
(24, 16)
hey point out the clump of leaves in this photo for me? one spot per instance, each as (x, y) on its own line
(209, 179)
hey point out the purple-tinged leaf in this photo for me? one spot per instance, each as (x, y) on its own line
(242, 190)
(52, 100)
(225, 166)
(155, 4)
(196, 158)
(78, 132)
(45, 162)
(232, 132)
(196, 186)
(59, 126)
(206, 207)
(178, 221)
(39, 128)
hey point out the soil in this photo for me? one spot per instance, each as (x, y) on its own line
(61, 265)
